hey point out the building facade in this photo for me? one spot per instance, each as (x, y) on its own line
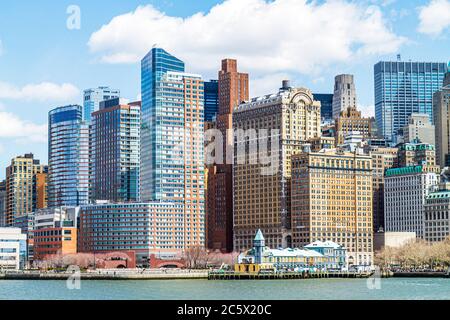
(332, 201)
(405, 193)
(350, 120)
(68, 156)
(55, 232)
(262, 186)
(441, 114)
(233, 89)
(93, 97)
(2, 203)
(404, 88)
(437, 215)
(144, 228)
(419, 129)
(23, 192)
(211, 100)
(344, 96)
(326, 106)
(12, 249)
(115, 151)
(383, 158)
(172, 144)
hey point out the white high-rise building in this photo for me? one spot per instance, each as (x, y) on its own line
(419, 128)
(344, 94)
(405, 193)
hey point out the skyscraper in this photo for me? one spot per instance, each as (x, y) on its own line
(419, 128)
(233, 89)
(262, 199)
(68, 156)
(115, 160)
(2, 203)
(344, 94)
(21, 192)
(403, 88)
(441, 113)
(211, 99)
(93, 97)
(172, 150)
(326, 106)
(350, 120)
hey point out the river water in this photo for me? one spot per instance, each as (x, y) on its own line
(317, 289)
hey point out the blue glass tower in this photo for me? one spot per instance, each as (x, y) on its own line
(326, 102)
(68, 156)
(211, 99)
(155, 119)
(403, 88)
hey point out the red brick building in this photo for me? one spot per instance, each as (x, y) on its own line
(233, 89)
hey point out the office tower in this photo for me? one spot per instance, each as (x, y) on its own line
(441, 109)
(405, 193)
(172, 146)
(326, 106)
(332, 201)
(93, 97)
(115, 147)
(404, 88)
(68, 156)
(21, 194)
(2, 203)
(344, 94)
(211, 100)
(143, 228)
(419, 129)
(350, 120)
(262, 197)
(233, 89)
(383, 158)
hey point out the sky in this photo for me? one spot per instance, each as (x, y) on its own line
(50, 51)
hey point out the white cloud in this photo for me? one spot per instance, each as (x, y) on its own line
(13, 127)
(266, 37)
(434, 17)
(42, 92)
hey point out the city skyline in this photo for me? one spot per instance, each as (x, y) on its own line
(67, 61)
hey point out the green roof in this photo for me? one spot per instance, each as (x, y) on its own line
(439, 194)
(403, 170)
(259, 236)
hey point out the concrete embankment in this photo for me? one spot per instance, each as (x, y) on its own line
(105, 276)
(421, 275)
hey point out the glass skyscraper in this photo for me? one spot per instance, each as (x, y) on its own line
(403, 88)
(326, 102)
(172, 150)
(93, 97)
(157, 121)
(211, 99)
(68, 156)
(115, 137)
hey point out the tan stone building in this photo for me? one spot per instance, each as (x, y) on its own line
(382, 158)
(419, 129)
(441, 114)
(25, 187)
(350, 120)
(332, 201)
(262, 200)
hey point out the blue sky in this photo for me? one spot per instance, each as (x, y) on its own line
(43, 64)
